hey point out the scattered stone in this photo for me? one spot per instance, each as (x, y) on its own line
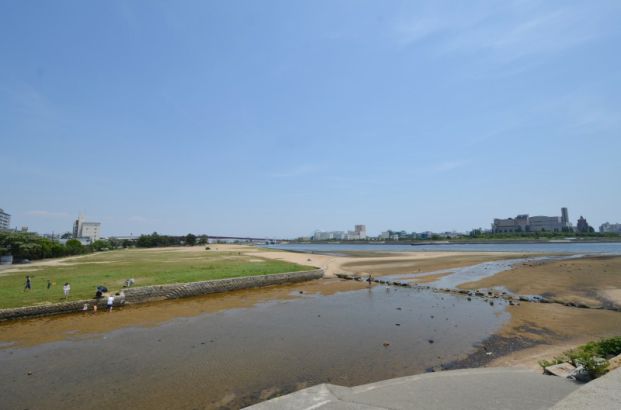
(398, 308)
(301, 292)
(29, 373)
(469, 298)
(430, 341)
(386, 344)
(397, 324)
(431, 316)
(491, 303)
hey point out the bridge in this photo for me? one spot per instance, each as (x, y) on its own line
(245, 238)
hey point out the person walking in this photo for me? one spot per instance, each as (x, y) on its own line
(66, 289)
(49, 284)
(28, 283)
(110, 302)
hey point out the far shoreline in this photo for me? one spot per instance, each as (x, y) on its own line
(459, 242)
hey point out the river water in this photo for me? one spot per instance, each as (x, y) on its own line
(235, 349)
(544, 247)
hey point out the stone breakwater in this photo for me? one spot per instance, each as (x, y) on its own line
(162, 292)
(486, 295)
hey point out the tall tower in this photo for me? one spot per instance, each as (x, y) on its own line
(564, 217)
(77, 226)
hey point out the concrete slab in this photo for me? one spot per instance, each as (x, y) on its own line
(601, 394)
(561, 369)
(487, 388)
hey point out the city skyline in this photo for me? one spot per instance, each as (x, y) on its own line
(373, 233)
(276, 119)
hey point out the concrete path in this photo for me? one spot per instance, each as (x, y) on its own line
(601, 394)
(484, 388)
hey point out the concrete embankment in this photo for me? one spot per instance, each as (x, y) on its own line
(162, 292)
(471, 389)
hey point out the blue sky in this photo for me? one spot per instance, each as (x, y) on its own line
(278, 118)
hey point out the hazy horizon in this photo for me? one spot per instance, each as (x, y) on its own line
(276, 119)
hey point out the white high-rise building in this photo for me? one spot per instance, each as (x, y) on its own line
(5, 220)
(360, 231)
(89, 230)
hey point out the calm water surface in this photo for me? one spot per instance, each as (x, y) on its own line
(547, 247)
(221, 356)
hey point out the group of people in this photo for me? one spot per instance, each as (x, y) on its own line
(99, 294)
(66, 286)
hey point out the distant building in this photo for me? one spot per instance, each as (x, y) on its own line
(86, 230)
(526, 223)
(610, 228)
(361, 231)
(5, 220)
(546, 224)
(564, 216)
(583, 225)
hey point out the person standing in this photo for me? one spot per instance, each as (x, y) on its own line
(66, 289)
(28, 283)
(49, 284)
(110, 302)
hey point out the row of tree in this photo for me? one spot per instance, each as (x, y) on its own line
(155, 240)
(28, 245)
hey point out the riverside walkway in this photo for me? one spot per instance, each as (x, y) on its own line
(472, 389)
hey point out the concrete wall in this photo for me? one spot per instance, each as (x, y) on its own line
(161, 292)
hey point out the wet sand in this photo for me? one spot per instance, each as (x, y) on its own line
(594, 281)
(552, 329)
(365, 263)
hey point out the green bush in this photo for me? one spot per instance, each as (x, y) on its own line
(592, 356)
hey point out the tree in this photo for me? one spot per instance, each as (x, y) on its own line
(203, 240)
(190, 239)
(66, 235)
(74, 247)
(100, 245)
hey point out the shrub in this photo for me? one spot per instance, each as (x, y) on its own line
(592, 356)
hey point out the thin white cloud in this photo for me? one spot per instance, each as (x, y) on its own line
(300, 170)
(138, 219)
(507, 33)
(447, 166)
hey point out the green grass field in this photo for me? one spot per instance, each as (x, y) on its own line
(111, 269)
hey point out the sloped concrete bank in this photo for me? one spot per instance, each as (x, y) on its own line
(163, 292)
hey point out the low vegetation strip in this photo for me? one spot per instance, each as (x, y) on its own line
(161, 292)
(111, 269)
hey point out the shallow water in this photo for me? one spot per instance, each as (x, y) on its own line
(456, 276)
(220, 355)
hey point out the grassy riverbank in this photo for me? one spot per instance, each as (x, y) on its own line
(145, 266)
